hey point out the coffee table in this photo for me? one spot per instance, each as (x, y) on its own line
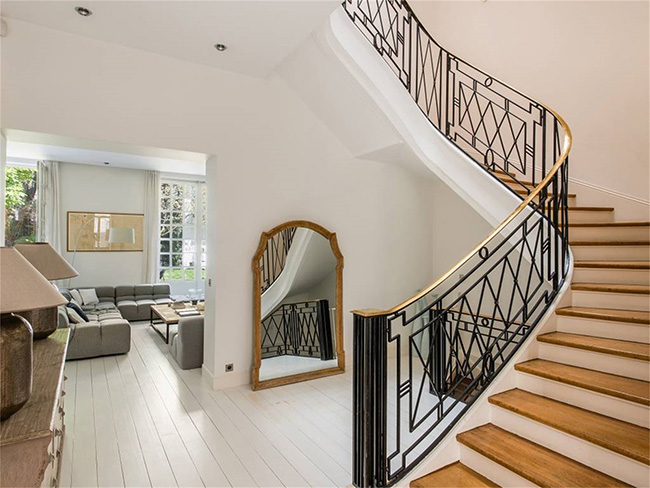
(168, 316)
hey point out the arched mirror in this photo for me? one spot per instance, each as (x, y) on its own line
(298, 293)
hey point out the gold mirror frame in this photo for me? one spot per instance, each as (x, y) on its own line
(257, 309)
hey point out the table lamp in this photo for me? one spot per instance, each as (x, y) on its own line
(22, 288)
(51, 265)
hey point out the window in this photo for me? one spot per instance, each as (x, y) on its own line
(21, 218)
(182, 234)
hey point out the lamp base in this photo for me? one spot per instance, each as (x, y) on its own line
(44, 321)
(16, 364)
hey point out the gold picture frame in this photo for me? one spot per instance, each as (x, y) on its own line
(88, 231)
(257, 383)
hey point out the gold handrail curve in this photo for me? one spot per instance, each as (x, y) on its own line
(568, 142)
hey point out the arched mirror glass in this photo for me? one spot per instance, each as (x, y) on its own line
(298, 270)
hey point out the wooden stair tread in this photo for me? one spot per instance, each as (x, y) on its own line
(615, 347)
(621, 437)
(591, 209)
(612, 288)
(628, 316)
(550, 195)
(532, 461)
(613, 264)
(455, 474)
(610, 224)
(609, 243)
(630, 389)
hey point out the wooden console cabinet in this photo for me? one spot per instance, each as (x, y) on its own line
(31, 440)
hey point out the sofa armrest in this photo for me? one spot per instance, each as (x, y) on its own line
(63, 322)
(188, 343)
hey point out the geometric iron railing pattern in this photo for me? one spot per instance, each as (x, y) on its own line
(420, 365)
(275, 256)
(298, 329)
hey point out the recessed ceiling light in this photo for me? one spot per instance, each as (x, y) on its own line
(220, 47)
(83, 11)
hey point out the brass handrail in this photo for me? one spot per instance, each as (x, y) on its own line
(568, 142)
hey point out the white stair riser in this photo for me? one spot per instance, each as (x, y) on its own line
(615, 276)
(599, 458)
(604, 328)
(619, 301)
(610, 406)
(590, 217)
(491, 470)
(608, 363)
(610, 233)
(610, 253)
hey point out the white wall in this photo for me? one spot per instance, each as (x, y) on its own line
(91, 188)
(587, 60)
(275, 161)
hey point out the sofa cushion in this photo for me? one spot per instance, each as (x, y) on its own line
(162, 301)
(127, 308)
(143, 291)
(161, 290)
(124, 292)
(106, 293)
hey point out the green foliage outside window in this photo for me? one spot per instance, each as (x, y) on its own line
(20, 205)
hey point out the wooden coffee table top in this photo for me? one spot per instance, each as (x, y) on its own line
(168, 315)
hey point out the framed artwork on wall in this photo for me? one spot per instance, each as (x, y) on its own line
(104, 232)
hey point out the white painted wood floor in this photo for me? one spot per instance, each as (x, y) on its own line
(138, 420)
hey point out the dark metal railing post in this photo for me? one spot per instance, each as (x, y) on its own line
(438, 354)
(370, 401)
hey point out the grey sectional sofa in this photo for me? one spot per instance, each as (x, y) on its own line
(108, 330)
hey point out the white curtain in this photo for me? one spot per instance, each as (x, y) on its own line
(151, 226)
(49, 207)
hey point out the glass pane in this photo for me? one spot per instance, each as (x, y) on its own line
(188, 259)
(177, 191)
(177, 274)
(177, 246)
(178, 205)
(164, 231)
(189, 274)
(177, 218)
(166, 274)
(165, 189)
(164, 246)
(21, 205)
(177, 260)
(188, 245)
(188, 232)
(166, 204)
(203, 273)
(164, 217)
(177, 232)
(189, 218)
(164, 260)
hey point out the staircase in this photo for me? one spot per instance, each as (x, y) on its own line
(580, 412)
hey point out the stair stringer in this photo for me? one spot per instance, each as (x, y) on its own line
(449, 449)
(432, 149)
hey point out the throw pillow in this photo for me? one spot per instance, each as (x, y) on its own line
(74, 317)
(77, 309)
(76, 296)
(89, 296)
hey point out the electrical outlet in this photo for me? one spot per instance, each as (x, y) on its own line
(230, 367)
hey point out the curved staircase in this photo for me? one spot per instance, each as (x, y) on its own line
(579, 414)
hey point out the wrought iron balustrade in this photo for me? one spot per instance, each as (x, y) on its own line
(299, 329)
(420, 365)
(274, 258)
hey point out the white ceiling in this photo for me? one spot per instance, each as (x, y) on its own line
(259, 33)
(28, 147)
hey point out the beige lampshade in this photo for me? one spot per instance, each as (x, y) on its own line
(121, 235)
(47, 261)
(22, 287)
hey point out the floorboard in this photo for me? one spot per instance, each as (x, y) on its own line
(138, 420)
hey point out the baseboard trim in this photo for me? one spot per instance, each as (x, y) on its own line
(206, 376)
(615, 193)
(231, 380)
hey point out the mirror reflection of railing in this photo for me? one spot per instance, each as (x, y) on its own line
(299, 329)
(273, 261)
(420, 365)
